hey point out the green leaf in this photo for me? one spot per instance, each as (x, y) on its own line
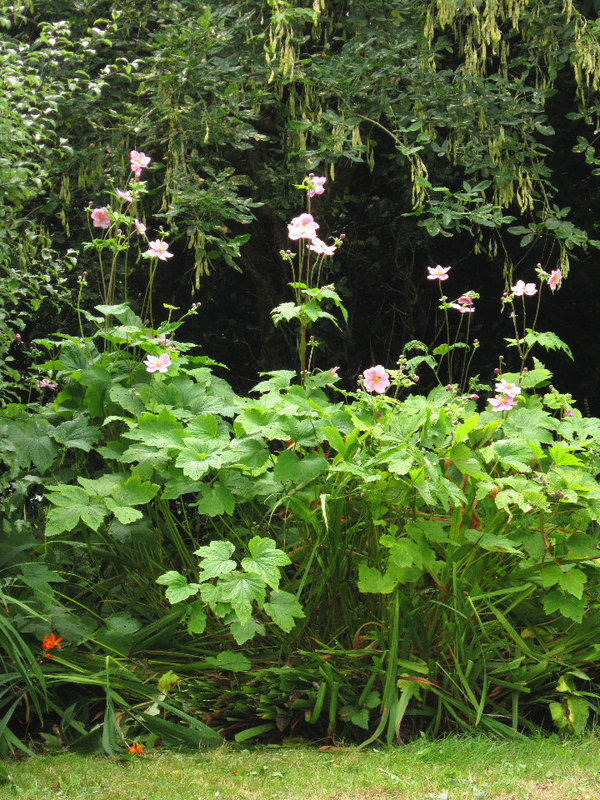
(157, 431)
(371, 581)
(570, 579)
(134, 492)
(290, 467)
(31, 444)
(266, 560)
(60, 520)
(127, 399)
(196, 464)
(548, 340)
(571, 714)
(75, 503)
(244, 633)
(178, 588)
(283, 608)
(241, 590)
(214, 559)
(568, 606)
(196, 620)
(167, 681)
(77, 433)
(489, 541)
(125, 514)
(215, 500)
(227, 659)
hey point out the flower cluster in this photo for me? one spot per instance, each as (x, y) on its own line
(101, 217)
(49, 642)
(316, 184)
(464, 304)
(521, 288)
(506, 394)
(135, 749)
(305, 226)
(138, 162)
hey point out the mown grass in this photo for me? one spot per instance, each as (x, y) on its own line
(451, 769)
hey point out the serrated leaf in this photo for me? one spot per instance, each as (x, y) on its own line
(289, 467)
(196, 464)
(227, 659)
(567, 605)
(283, 608)
(214, 559)
(127, 399)
(571, 580)
(241, 590)
(125, 514)
(215, 500)
(196, 620)
(157, 431)
(77, 433)
(243, 633)
(178, 588)
(134, 492)
(266, 560)
(31, 444)
(371, 581)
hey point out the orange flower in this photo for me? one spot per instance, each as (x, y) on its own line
(49, 641)
(135, 749)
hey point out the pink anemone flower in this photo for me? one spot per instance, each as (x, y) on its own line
(159, 249)
(100, 218)
(438, 273)
(376, 379)
(303, 227)
(158, 363)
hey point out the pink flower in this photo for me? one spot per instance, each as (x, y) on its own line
(303, 227)
(159, 249)
(462, 309)
(503, 402)
(569, 412)
(139, 161)
(124, 195)
(438, 273)
(100, 218)
(473, 397)
(555, 279)
(317, 185)
(520, 288)
(46, 384)
(508, 388)
(158, 363)
(18, 338)
(317, 246)
(334, 372)
(140, 227)
(376, 379)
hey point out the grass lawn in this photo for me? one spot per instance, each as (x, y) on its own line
(452, 769)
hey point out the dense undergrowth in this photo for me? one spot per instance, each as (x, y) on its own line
(181, 563)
